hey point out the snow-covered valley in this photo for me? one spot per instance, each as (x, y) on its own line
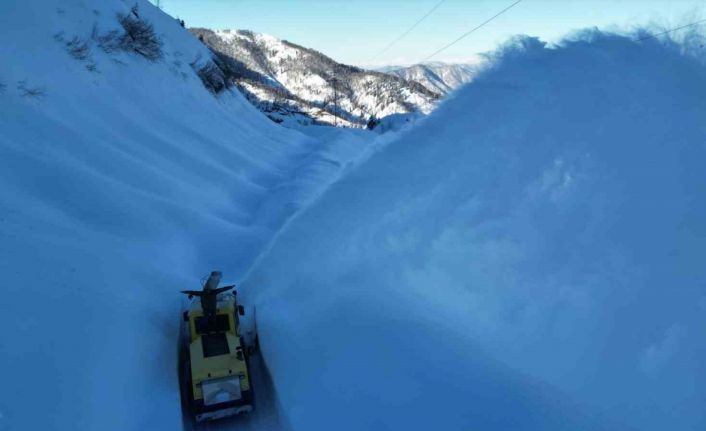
(527, 257)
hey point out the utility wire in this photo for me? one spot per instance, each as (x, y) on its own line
(409, 30)
(468, 33)
(671, 30)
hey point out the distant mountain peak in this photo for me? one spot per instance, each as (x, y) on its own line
(436, 76)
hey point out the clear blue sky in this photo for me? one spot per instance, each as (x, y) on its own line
(353, 31)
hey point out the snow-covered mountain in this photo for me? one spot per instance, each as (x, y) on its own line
(293, 83)
(438, 77)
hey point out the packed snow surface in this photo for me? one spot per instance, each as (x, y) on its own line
(529, 257)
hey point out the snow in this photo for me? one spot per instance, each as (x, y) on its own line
(441, 78)
(397, 122)
(528, 257)
(314, 81)
(279, 50)
(118, 188)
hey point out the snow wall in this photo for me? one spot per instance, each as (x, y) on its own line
(530, 257)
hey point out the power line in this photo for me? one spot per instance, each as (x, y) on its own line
(671, 30)
(468, 33)
(409, 30)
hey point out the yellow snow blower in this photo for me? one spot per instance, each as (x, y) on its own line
(214, 359)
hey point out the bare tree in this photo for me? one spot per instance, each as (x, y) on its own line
(211, 76)
(78, 48)
(139, 36)
(26, 91)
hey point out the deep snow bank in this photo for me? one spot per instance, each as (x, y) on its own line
(529, 257)
(122, 181)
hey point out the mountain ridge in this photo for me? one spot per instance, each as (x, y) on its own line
(291, 83)
(438, 77)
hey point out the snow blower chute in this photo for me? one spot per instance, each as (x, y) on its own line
(214, 360)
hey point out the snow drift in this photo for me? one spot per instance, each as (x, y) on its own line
(530, 257)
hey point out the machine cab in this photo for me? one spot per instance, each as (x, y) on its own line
(220, 381)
